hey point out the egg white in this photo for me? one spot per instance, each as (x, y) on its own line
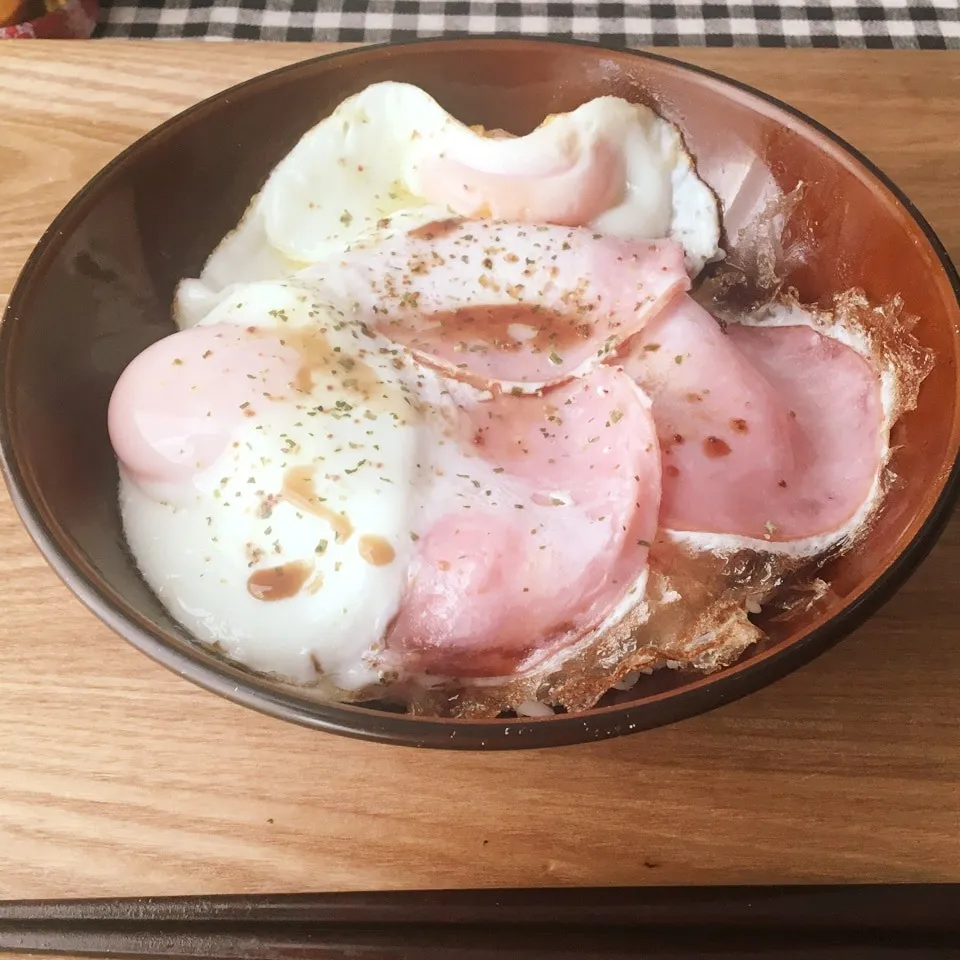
(197, 547)
(353, 178)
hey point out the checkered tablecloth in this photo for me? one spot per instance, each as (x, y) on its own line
(929, 24)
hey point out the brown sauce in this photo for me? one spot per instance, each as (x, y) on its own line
(436, 228)
(740, 426)
(377, 551)
(489, 327)
(279, 583)
(714, 447)
(318, 357)
(299, 491)
(303, 381)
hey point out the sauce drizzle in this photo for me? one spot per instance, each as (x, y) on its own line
(377, 551)
(317, 356)
(436, 228)
(480, 328)
(279, 583)
(299, 491)
(714, 447)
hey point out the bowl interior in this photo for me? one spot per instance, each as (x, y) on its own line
(99, 287)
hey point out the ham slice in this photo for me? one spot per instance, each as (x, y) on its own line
(508, 304)
(176, 407)
(542, 535)
(774, 434)
(527, 183)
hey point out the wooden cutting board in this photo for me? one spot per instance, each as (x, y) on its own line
(118, 778)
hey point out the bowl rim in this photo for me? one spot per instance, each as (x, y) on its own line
(238, 686)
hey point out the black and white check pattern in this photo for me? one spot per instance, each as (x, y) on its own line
(927, 24)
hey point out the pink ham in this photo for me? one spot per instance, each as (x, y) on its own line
(834, 396)
(567, 190)
(176, 406)
(540, 538)
(767, 433)
(507, 303)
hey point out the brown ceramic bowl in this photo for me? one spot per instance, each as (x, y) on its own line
(98, 289)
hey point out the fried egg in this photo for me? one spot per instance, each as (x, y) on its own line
(306, 495)
(436, 397)
(390, 158)
(273, 452)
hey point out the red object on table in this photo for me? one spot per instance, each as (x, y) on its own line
(72, 19)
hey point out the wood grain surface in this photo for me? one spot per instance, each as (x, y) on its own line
(118, 778)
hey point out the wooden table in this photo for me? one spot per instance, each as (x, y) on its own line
(118, 778)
